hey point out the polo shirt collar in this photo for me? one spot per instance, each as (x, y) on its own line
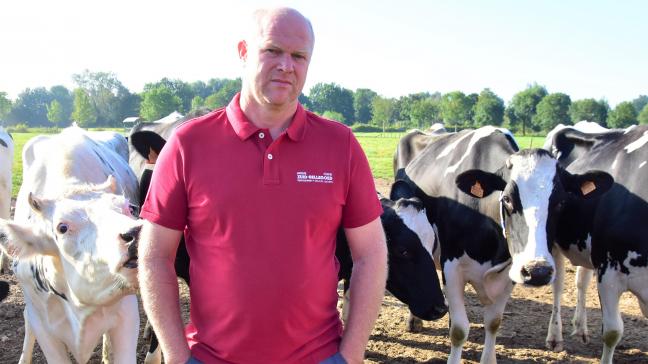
(244, 128)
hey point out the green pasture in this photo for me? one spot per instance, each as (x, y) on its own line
(379, 148)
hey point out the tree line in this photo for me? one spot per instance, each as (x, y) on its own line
(101, 100)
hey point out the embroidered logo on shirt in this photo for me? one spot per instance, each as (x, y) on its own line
(326, 177)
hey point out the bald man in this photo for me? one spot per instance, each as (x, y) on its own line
(259, 189)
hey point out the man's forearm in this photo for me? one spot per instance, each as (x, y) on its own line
(159, 290)
(367, 290)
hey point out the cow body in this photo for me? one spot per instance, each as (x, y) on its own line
(490, 240)
(75, 243)
(411, 241)
(610, 234)
(411, 145)
(6, 164)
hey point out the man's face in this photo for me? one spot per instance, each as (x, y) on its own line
(277, 60)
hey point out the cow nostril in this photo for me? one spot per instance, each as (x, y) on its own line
(525, 272)
(127, 237)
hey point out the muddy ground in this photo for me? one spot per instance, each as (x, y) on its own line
(521, 338)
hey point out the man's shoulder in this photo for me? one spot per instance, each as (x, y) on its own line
(329, 126)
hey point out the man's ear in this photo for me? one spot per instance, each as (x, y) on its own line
(242, 50)
(478, 183)
(588, 185)
(22, 241)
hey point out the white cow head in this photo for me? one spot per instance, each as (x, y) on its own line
(91, 236)
(533, 190)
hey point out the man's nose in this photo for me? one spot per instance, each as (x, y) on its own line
(286, 63)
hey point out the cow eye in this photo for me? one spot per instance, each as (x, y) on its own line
(508, 203)
(62, 228)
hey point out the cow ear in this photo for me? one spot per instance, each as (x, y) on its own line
(589, 185)
(401, 189)
(478, 183)
(22, 241)
(145, 142)
(39, 205)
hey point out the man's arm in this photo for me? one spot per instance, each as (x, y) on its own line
(369, 253)
(159, 289)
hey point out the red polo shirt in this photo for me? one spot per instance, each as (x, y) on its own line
(260, 218)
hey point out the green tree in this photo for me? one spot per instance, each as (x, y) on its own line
(5, 106)
(643, 115)
(590, 110)
(552, 110)
(224, 95)
(382, 110)
(332, 97)
(362, 99)
(179, 88)
(65, 98)
(424, 112)
(107, 95)
(197, 102)
(333, 115)
(31, 107)
(158, 102)
(489, 109)
(623, 115)
(455, 108)
(84, 112)
(55, 113)
(639, 103)
(523, 105)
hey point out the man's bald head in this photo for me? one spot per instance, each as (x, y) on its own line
(263, 21)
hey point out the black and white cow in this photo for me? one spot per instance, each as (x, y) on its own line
(74, 242)
(492, 240)
(609, 234)
(411, 243)
(411, 144)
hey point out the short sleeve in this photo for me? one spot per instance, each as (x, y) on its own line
(166, 201)
(362, 205)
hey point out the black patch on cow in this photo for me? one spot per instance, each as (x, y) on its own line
(42, 284)
(3, 143)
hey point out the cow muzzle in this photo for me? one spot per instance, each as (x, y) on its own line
(537, 273)
(131, 238)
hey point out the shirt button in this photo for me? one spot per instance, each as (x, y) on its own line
(261, 135)
(270, 156)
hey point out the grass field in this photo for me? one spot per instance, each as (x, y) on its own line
(379, 148)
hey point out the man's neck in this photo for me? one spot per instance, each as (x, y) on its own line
(275, 119)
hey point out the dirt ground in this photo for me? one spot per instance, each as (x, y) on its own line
(521, 337)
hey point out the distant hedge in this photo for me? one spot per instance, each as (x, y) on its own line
(364, 128)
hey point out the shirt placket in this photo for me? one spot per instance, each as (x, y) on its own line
(270, 158)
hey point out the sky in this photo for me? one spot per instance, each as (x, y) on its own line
(586, 49)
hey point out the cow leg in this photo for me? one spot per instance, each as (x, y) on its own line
(28, 342)
(123, 336)
(154, 354)
(579, 322)
(610, 289)
(106, 350)
(554, 340)
(4, 263)
(459, 325)
(414, 324)
(492, 320)
(54, 350)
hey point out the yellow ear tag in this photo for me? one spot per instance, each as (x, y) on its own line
(152, 156)
(587, 187)
(477, 190)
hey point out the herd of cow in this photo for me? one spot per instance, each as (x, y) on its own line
(469, 204)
